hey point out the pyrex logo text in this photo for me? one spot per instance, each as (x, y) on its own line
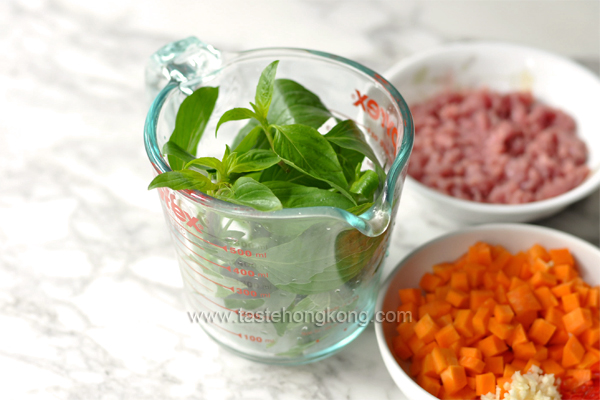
(168, 200)
(371, 107)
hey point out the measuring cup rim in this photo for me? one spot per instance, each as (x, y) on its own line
(400, 161)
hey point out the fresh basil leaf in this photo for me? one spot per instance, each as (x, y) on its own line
(254, 160)
(191, 120)
(305, 149)
(184, 179)
(296, 196)
(289, 174)
(249, 141)
(173, 149)
(366, 184)
(209, 162)
(294, 104)
(350, 160)
(359, 209)
(248, 192)
(245, 131)
(348, 135)
(235, 114)
(264, 90)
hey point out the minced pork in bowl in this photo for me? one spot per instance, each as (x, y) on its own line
(502, 68)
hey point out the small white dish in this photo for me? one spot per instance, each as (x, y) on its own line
(514, 237)
(555, 80)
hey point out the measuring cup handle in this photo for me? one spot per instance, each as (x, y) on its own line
(180, 61)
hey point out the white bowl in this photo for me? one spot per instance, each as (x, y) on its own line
(553, 79)
(514, 237)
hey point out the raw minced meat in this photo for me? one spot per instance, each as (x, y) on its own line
(496, 148)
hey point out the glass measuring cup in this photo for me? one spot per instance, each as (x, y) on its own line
(295, 285)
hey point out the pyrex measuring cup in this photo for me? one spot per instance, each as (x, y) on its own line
(294, 285)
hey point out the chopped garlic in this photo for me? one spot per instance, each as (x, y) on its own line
(531, 386)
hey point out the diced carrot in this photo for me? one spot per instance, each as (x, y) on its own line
(428, 367)
(495, 365)
(541, 331)
(423, 351)
(577, 377)
(456, 346)
(464, 323)
(555, 352)
(464, 393)
(501, 382)
(471, 382)
(410, 296)
(501, 260)
(562, 290)
(491, 346)
(515, 282)
(408, 308)
(414, 343)
(444, 320)
(554, 316)
(522, 299)
(542, 352)
(545, 297)
(524, 351)
(593, 298)
(415, 367)
(509, 370)
(435, 309)
(530, 364)
(429, 282)
(518, 336)
(518, 364)
(480, 253)
(583, 293)
(490, 280)
(441, 292)
(572, 353)
(429, 297)
(478, 297)
(490, 303)
(588, 360)
(446, 336)
(426, 329)
(443, 358)
(470, 352)
(406, 330)
(400, 348)
(503, 331)
(560, 336)
(431, 385)
(480, 321)
(537, 251)
(539, 265)
(508, 356)
(570, 302)
(472, 365)
(526, 272)
(444, 271)
(485, 383)
(454, 378)
(541, 278)
(550, 366)
(526, 318)
(514, 266)
(503, 313)
(577, 321)
(564, 272)
(501, 295)
(457, 298)
(561, 256)
(590, 336)
(460, 281)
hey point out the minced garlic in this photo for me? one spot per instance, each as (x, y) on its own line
(531, 386)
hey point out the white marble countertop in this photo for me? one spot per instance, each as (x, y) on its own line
(90, 300)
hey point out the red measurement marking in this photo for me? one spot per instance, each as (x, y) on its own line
(205, 259)
(208, 279)
(226, 330)
(198, 237)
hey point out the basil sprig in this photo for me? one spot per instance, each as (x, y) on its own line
(279, 158)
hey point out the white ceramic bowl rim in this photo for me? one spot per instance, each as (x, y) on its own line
(577, 193)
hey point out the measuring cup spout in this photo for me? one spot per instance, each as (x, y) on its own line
(180, 61)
